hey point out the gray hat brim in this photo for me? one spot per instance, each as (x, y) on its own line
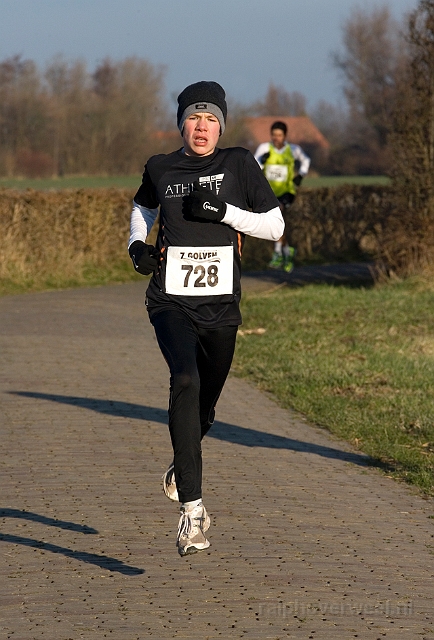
(203, 107)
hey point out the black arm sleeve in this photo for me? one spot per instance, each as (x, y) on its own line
(147, 193)
(259, 195)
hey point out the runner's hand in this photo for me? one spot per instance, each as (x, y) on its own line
(144, 257)
(297, 180)
(263, 159)
(286, 199)
(203, 204)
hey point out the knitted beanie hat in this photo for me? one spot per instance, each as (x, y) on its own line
(202, 97)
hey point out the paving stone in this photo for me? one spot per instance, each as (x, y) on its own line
(308, 540)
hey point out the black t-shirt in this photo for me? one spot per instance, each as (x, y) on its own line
(200, 281)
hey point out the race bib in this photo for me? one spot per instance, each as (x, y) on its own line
(276, 172)
(200, 271)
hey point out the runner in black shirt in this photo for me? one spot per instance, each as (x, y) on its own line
(208, 199)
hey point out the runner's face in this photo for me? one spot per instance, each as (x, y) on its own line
(277, 138)
(201, 133)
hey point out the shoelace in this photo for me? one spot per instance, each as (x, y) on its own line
(186, 523)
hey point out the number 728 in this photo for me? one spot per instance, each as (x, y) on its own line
(211, 274)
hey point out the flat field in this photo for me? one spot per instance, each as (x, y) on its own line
(133, 182)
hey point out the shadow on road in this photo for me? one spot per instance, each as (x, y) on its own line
(105, 562)
(51, 522)
(354, 274)
(220, 430)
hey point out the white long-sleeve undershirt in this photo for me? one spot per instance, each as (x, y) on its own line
(296, 151)
(141, 222)
(268, 225)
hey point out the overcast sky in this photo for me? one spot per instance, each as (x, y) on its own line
(243, 44)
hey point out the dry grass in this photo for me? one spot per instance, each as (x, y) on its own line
(75, 237)
(331, 223)
(63, 238)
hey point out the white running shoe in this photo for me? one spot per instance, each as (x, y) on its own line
(193, 523)
(169, 484)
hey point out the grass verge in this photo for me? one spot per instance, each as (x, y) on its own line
(359, 362)
(133, 182)
(316, 182)
(72, 182)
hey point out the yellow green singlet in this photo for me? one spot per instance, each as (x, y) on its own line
(279, 171)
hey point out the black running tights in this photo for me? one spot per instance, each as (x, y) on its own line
(199, 361)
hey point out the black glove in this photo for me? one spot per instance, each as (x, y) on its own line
(263, 159)
(144, 257)
(297, 180)
(286, 199)
(203, 204)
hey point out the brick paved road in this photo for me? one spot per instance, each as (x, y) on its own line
(308, 540)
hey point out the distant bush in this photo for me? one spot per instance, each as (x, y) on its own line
(56, 238)
(52, 238)
(333, 224)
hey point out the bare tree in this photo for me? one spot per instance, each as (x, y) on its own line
(115, 110)
(331, 120)
(68, 87)
(410, 245)
(368, 65)
(334, 123)
(22, 112)
(279, 102)
(68, 120)
(140, 111)
(236, 133)
(413, 115)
